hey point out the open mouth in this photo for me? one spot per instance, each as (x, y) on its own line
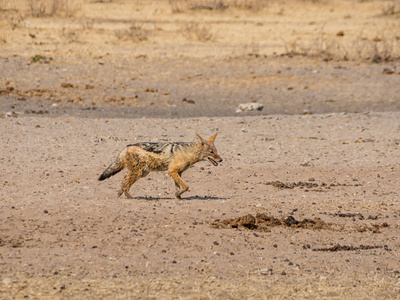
(213, 161)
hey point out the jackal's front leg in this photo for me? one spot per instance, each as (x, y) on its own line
(180, 185)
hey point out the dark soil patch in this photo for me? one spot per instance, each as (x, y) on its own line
(339, 247)
(375, 228)
(352, 215)
(12, 242)
(263, 222)
(292, 185)
(349, 215)
(303, 184)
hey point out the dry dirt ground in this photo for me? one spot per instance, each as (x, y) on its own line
(306, 202)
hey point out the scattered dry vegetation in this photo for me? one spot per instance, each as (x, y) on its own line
(15, 14)
(321, 41)
(383, 47)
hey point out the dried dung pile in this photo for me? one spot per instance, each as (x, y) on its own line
(263, 222)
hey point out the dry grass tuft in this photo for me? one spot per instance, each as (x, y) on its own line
(390, 9)
(3, 39)
(382, 47)
(136, 33)
(10, 15)
(196, 32)
(48, 8)
(10, 18)
(321, 47)
(178, 6)
(252, 5)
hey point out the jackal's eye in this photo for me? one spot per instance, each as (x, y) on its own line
(211, 151)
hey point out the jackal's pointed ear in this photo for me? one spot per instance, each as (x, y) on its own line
(200, 138)
(211, 139)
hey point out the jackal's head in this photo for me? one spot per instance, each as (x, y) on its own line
(208, 150)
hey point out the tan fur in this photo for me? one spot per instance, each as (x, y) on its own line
(175, 158)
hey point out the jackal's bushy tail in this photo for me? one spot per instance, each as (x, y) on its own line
(113, 169)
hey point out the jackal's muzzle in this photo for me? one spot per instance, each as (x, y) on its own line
(214, 162)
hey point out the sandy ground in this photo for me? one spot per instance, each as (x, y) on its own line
(305, 204)
(64, 234)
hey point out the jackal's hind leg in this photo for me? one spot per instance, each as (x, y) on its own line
(177, 186)
(127, 182)
(180, 185)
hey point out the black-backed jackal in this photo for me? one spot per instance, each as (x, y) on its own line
(175, 158)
